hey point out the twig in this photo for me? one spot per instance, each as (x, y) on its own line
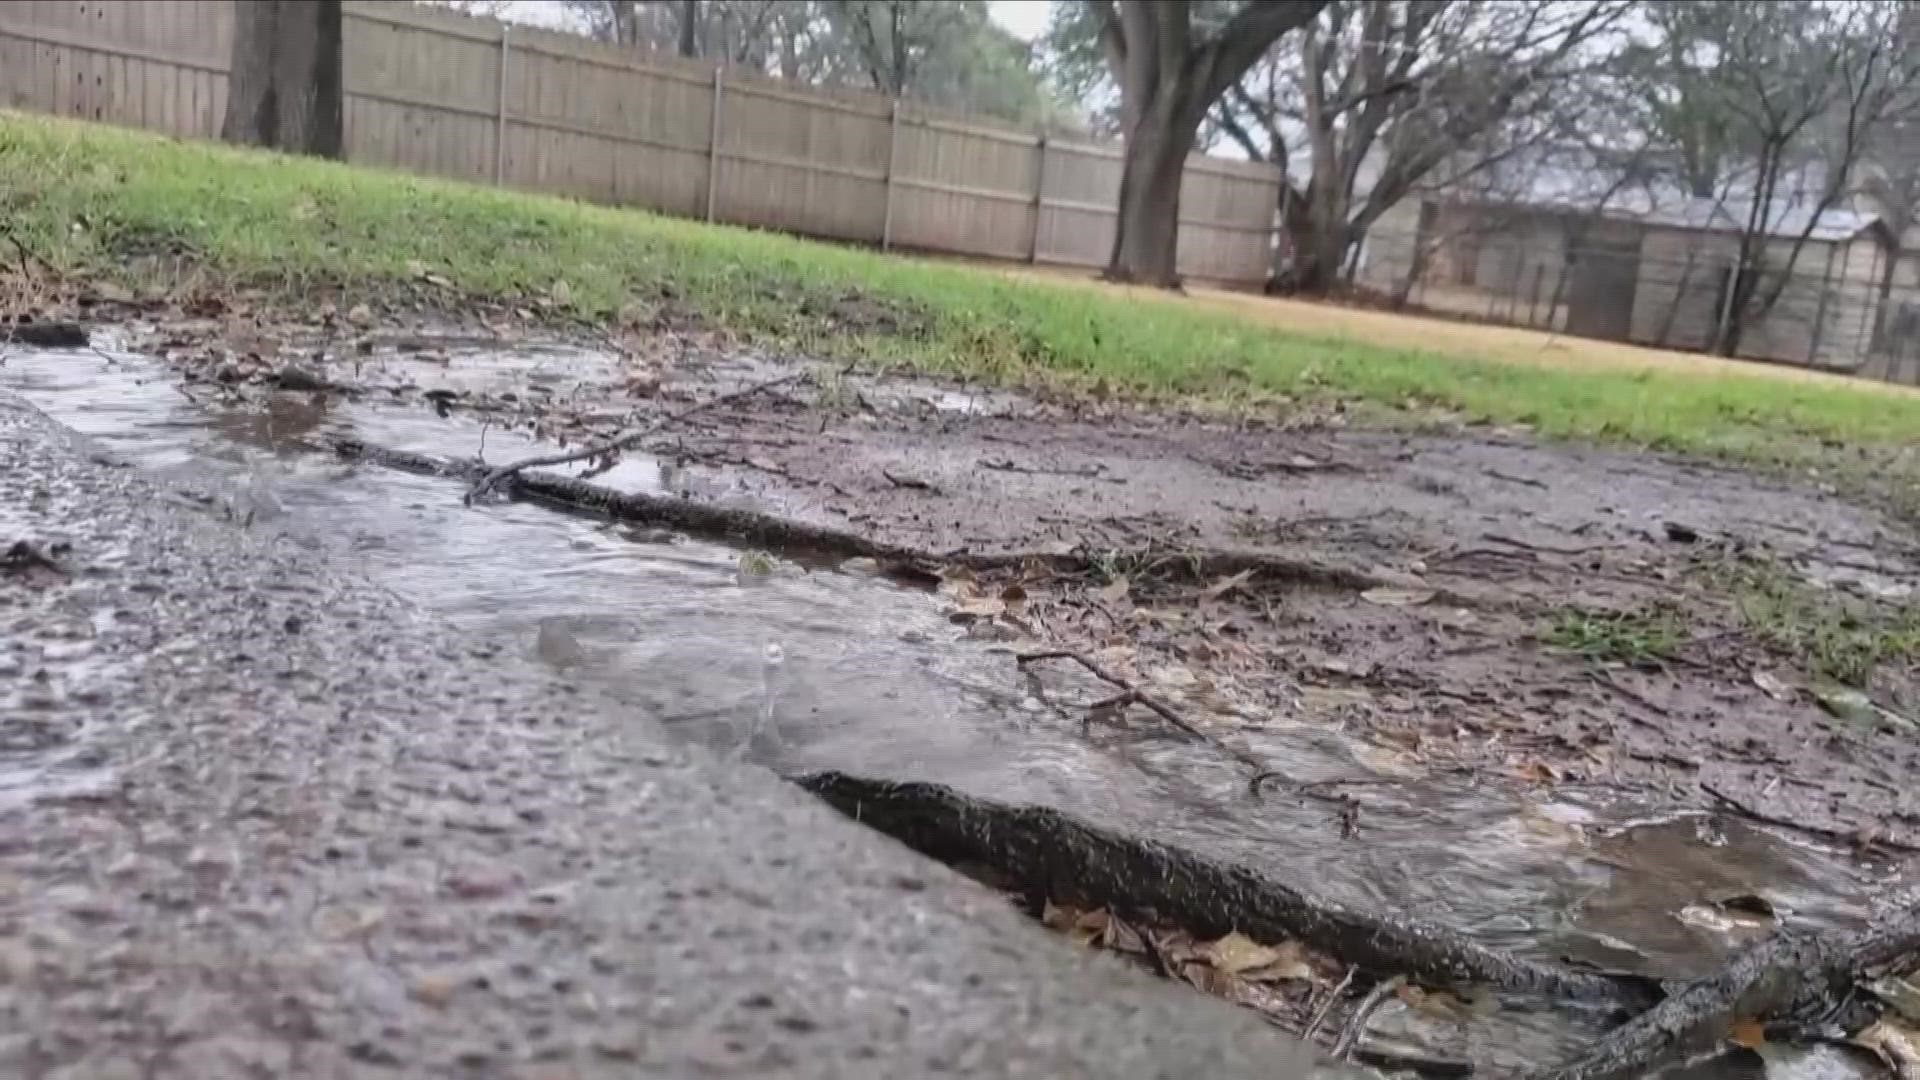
(622, 442)
(1786, 822)
(1524, 546)
(1129, 695)
(913, 482)
(1603, 679)
(1395, 1060)
(1326, 1007)
(1511, 479)
(1357, 1023)
(1094, 473)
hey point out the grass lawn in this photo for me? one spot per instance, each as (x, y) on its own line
(87, 198)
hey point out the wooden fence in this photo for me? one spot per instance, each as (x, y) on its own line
(435, 92)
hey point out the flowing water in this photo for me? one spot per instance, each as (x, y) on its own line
(815, 665)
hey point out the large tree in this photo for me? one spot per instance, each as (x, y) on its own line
(1172, 61)
(1772, 105)
(1375, 98)
(284, 86)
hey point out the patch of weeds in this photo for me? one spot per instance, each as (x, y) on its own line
(1111, 565)
(1636, 637)
(755, 564)
(833, 391)
(1838, 637)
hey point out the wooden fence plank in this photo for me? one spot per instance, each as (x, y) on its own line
(435, 92)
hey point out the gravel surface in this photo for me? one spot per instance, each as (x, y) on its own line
(258, 818)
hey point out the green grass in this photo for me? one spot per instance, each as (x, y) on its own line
(90, 199)
(1626, 637)
(1837, 637)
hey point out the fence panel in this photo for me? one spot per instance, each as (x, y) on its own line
(435, 92)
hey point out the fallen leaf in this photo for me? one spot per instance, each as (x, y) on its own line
(360, 315)
(1394, 597)
(1121, 937)
(1237, 952)
(561, 292)
(1751, 1034)
(1059, 547)
(1772, 685)
(1113, 591)
(1055, 917)
(1209, 979)
(1896, 1044)
(979, 607)
(1290, 964)
(1536, 772)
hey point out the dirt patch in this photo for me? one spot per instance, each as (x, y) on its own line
(1468, 600)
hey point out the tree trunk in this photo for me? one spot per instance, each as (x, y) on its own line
(689, 27)
(1319, 251)
(1146, 233)
(285, 87)
(1883, 307)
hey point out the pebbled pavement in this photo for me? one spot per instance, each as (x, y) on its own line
(258, 818)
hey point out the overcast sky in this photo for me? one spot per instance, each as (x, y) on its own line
(1027, 19)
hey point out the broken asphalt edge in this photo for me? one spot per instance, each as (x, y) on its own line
(260, 816)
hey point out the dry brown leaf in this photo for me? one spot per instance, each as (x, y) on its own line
(1209, 979)
(1290, 964)
(360, 315)
(1055, 917)
(1121, 937)
(1113, 591)
(1388, 596)
(1536, 772)
(1237, 952)
(1751, 1034)
(979, 607)
(1896, 1044)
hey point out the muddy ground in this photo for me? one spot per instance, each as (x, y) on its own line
(1469, 604)
(1466, 598)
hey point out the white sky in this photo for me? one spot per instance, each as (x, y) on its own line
(1025, 19)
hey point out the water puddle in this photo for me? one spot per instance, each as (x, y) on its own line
(809, 667)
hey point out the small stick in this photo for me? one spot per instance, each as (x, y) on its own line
(1130, 694)
(1326, 1007)
(1782, 820)
(624, 441)
(1357, 1023)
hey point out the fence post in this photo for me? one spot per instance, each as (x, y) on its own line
(1039, 201)
(713, 144)
(893, 164)
(1820, 309)
(500, 124)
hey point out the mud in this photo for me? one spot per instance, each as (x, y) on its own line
(1492, 534)
(261, 818)
(1361, 611)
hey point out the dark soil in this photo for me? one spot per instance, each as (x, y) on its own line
(1471, 599)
